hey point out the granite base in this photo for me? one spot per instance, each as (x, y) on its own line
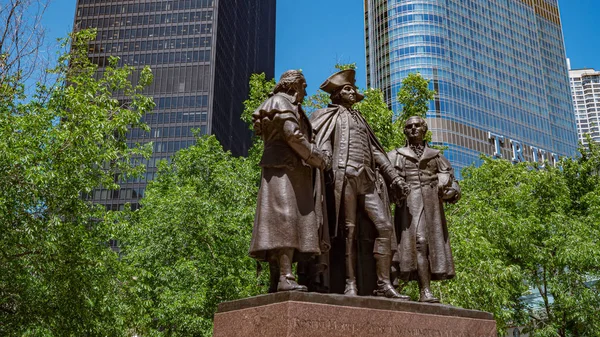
(324, 315)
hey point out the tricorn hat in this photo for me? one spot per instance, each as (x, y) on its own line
(340, 79)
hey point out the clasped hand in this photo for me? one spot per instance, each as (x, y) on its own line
(399, 190)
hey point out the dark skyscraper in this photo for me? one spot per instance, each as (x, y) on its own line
(201, 52)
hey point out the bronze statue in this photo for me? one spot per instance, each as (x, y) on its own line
(424, 248)
(286, 228)
(357, 159)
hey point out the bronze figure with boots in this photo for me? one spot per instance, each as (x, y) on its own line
(286, 225)
(423, 243)
(357, 160)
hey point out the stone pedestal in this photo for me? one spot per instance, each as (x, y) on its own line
(324, 315)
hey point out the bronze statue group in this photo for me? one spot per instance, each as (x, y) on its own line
(326, 189)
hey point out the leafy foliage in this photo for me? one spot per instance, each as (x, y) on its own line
(414, 95)
(190, 240)
(260, 88)
(520, 226)
(345, 66)
(317, 101)
(188, 244)
(380, 118)
(57, 275)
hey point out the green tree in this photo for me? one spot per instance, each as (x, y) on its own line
(317, 101)
(188, 244)
(58, 277)
(260, 88)
(414, 95)
(345, 66)
(518, 226)
(381, 119)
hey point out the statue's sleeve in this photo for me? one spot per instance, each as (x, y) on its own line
(299, 141)
(323, 123)
(444, 165)
(385, 166)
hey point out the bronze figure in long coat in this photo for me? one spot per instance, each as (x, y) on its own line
(357, 160)
(286, 227)
(424, 252)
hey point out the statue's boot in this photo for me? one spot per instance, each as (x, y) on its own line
(383, 260)
(351, 288)
(424, 275)
(427, 296)
(287, 281)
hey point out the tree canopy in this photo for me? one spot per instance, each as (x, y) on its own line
(188, 244)
(526, 244)
(414, 95)
(58, 276)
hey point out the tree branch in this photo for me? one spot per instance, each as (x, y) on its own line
(7, 23)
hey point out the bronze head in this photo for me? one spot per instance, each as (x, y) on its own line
(293, 83)
(342, 89)
(415, 129)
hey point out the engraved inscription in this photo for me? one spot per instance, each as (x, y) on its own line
(372, 329)
(322, 324)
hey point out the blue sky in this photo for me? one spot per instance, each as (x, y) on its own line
(313, 35)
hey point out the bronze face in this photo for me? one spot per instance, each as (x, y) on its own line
(415, 129)
(348, 95)
(301, 93)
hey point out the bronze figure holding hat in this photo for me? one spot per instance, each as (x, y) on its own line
(286, 227)
(423, 243)
(358, 178)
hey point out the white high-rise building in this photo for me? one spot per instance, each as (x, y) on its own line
(585, 90)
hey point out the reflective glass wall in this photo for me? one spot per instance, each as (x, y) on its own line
(498, 67)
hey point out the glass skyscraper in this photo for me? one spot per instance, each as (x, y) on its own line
(498, 67)
(202, 53)
(585, 88)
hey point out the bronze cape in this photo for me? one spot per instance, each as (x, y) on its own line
(285, 215)
(327, 125)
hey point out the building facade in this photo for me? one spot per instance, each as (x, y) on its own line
(201, 52)
(498, 67)
(585, 90)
